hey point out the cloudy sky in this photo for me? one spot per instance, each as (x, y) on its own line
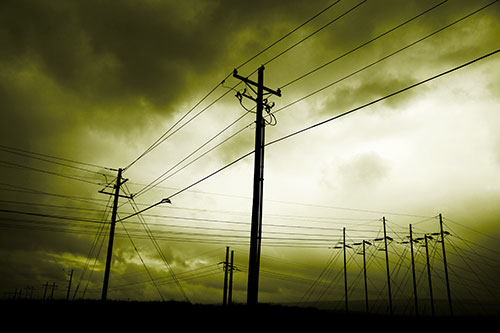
(86, 87)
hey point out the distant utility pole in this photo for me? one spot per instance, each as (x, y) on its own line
(231, 270)
(364, 273)
(387, 267)
(445, 263)
(413, 272)
(69, 285)
(54, 286)
(345, 272)
(226, 271)
(45, 286)
(109, 256)
(227, 294)
(258, 184)
(431, 295)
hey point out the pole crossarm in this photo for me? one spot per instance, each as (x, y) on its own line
(253, 83)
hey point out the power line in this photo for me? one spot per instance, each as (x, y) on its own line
(324, 122)
(384, 98)
(49, 172)
(289, 33)
(157, 181)
(158, 248)
(26, 153)
(316, 31)
(166, 135)
(364, 44)
(379, 60)
(385, 57)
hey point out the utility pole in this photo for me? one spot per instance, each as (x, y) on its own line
(258, 184)
(364, 273)
(345, 273)
(387, 266)
(413, 272)
(429, 273)
(109, 256)
(46, 285)
(230, 293)
(445, 264)
(69, 285)
(226, 268)
(54, 286)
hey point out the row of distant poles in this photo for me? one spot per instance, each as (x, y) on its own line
(258, 186)
(411, 241)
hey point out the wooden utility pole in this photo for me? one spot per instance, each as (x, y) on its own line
(109, 256)
(413, 272)
(445, 264)
(69, 285)
(345, 272)
(226, 269)
(258, 184)
(53, 287)
(45, 286)
(429, 273)
(364, 273)
(230, 292)
(387, 267)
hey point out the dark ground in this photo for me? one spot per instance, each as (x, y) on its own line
(169, 316)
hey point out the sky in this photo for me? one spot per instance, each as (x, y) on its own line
(88, 87)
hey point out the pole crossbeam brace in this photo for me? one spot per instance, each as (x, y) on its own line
(258, 183)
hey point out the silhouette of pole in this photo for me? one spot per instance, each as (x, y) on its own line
(413, 272)
(54, 285)
(345, 273)
(445, 264)
(111, 236)
(258, 186)
(226, 271)
(46, 285)
(429, 274)
(231, 269)
(364, 273)
(387, 266)
(69, 285)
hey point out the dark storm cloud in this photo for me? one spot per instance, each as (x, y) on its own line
(120, 49)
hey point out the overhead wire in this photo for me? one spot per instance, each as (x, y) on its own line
(435, 32)
(376, 62)
(378, 100)
(27, 153)
(158, 248)
(316, 31)
(165, 135)
(387, 32)
(157, 180)
(49, 172)
(143, 263)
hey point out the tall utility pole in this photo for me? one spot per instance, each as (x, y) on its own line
(364, 273)
(69, 285)
(426, 237)
(345, 272)
(109, 256)
(230, 292)
(226, 269)
(387, 266)
(258, 185)
(45, 286)
(413, 272)
(445, 264)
